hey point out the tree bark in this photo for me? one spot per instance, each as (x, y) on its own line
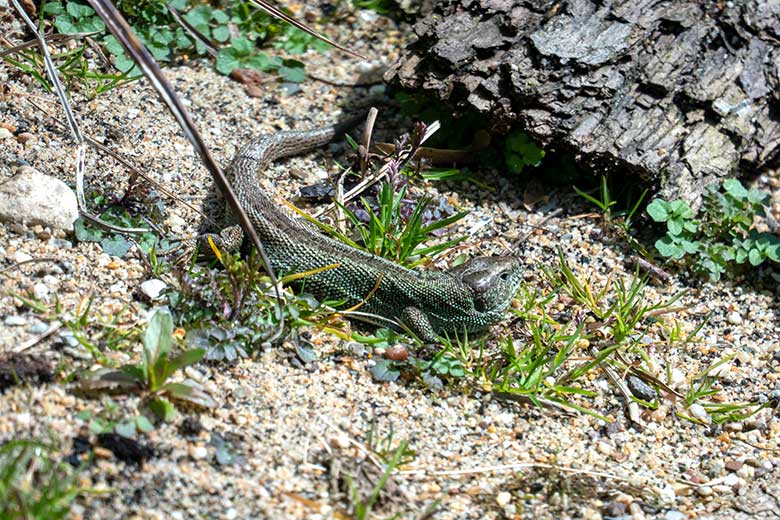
(682, 92)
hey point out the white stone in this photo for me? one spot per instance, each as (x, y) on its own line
(34, 198)
(731, 480)
(734, 318)
(152, 288)
(40, 291)
(503, 498)
(20, 257)
(5, 133)
(199, 452)
(15, 321)
(699, 412)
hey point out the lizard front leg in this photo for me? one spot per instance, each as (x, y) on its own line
(418, 321)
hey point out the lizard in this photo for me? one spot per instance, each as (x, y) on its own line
(469, 297)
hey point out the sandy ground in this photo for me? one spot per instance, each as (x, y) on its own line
(290, 427)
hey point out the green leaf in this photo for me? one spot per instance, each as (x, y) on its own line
(757, 196)
(79, 11)
(189, 357)
(675, 226)
(157, 338)
(221, 33)
(86, 232)
(242, 46)
(227, 60)
(143, 424)
(293, 74)
(163, 409)
(668, 248)
(116, 245)
(199, 17)
(260, 61)
(755, 257)
(681, 209)
(385, 370)
(220, 16)
(125, 429)
(53, 8)
(658, 210)
(734, 188)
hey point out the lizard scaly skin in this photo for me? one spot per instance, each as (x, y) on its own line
(469, 297)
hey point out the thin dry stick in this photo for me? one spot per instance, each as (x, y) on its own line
(30, 261)
(504, 468)
(633, 407)
(54, 38)
(208, 44)
(80, 152)
(273, 11)
(53, 327)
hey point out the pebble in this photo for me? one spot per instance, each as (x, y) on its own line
(38, 328)
(14, 320)
(199, 452)
(503, 498)
(5, 133)
(21, 256)
(641, 389)
(699, 412)
(40, 291)
(153, 288)
(734, 318)
(731, 480)
(34, 198)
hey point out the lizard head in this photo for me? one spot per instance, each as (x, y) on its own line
(493, 279)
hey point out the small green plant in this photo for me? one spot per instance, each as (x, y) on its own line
(521, 152)
(34, 484)
(622, 220)
(112, 418)
(720, 234)
(236, 26)
(151, 377)
(362, 506)
(703, 386)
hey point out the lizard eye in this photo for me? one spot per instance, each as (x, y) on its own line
(504, 276)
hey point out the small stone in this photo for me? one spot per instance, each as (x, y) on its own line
(357, 349)
(674, 514)
(614, 509)
(734, 318)
(731, 480)
(15, 321)
(153, 288)
(25, 137)
(339, 441)
(5, 133)
(40, 291)
(640, 389)
(38, 328)
(604, 448)
(503, 498)
(746, 472)
(34, 198)
(199, 452)
(704, 491)
(733, 465)
(397, 353)
(699, 412)
(20, 257)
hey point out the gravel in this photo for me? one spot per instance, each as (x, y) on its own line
(273, 446)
